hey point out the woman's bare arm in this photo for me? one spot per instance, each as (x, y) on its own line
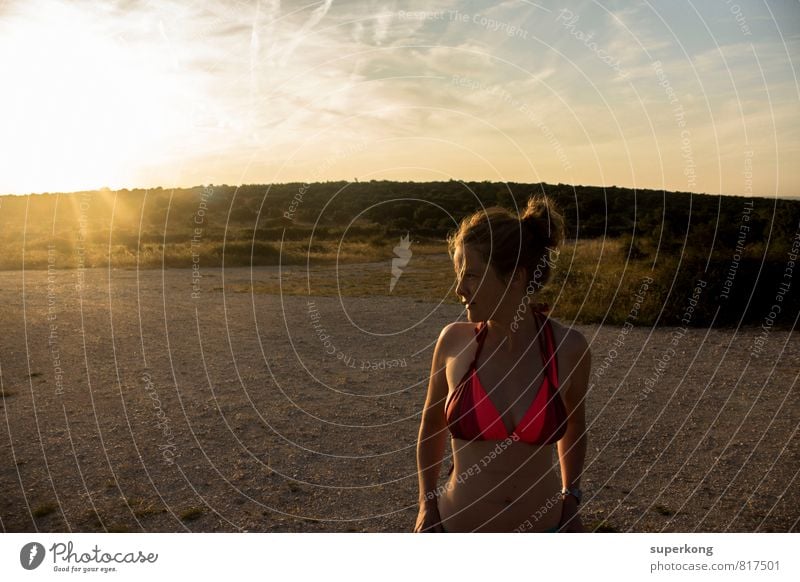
(433, 427)
(572, 446)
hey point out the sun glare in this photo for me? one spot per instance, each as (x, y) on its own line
(83, 106)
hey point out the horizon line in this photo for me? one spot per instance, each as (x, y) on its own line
(162, 188)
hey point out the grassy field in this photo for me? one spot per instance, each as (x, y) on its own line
(429, 275)
(594, 280)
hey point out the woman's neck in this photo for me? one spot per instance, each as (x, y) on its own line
(514, 331)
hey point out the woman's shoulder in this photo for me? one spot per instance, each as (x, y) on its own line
(458, 329)
(574, 353)
(569, 341)
(454, 336)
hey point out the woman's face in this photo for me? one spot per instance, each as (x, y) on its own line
(477, 285)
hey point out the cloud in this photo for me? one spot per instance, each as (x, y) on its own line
(265, 79)
(297, 37)
(382, 22)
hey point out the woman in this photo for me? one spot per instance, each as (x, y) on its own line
(506, 385)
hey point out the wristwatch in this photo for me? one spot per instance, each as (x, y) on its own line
(574, 491)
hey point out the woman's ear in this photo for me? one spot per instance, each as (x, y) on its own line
(520, 277)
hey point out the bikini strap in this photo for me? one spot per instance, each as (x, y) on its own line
(550, 357)
(545, 341)
(480, 332)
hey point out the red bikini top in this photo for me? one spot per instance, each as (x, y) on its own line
(471, 415)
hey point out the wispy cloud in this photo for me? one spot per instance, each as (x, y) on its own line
(237, 91)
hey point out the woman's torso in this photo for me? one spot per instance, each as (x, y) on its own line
(501, 485)
(496, 489)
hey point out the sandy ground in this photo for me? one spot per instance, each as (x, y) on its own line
(136, 407)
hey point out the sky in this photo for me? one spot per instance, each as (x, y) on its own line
(683, 96)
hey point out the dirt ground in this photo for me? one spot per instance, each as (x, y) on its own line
(136, 406)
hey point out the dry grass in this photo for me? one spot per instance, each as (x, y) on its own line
(44, 509)
(662, 510)
(191, 513)
(606, 279)
(209, 253)
(143, 508)
(594, 266)
(428, 276)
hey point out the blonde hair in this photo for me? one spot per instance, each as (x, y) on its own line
(507, 242)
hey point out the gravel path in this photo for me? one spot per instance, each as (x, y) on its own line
(138, 407)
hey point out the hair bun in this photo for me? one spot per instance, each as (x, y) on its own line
(547, 222)
(508, 240)
(533, 222)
